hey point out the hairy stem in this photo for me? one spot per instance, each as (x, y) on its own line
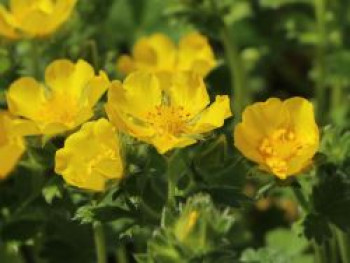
(235, 63)
(100, 242)
(343, 239)
(320, 63)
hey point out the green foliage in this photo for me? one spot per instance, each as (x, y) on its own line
(330, 196)
(281, 3)
(336, 145)
(281, 246)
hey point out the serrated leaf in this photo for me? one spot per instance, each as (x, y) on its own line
(331, 197)
(317, 228)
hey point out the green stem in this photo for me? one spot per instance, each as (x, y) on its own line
(320, 253)
(100, 243)
(121, 255)
(35, 57)
(239, 92)
(171, 192)
(333, 250)
(343, 239)
(299, 195)
(336, 101)
(235, 63)
(320, 63)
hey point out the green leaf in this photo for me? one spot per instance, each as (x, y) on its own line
(52, 190)
(287, 240)
(331, 197)
(217, 167)
(317, 228)
(282, 246)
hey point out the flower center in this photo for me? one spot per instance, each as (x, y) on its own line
(168, 119)
(277, 150)
(59, 109)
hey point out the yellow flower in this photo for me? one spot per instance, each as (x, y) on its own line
(11, 143)
(281, 136)
(91, 156)
(158, 54)
(65, 102)
(34, 18)
(167, 114)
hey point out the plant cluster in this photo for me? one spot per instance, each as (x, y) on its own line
(156, 131)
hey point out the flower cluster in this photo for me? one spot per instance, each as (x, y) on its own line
(163, 101)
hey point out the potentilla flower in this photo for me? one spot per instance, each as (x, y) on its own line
(34, 18)
(64, 102)
(281, 136)
(91, 156)
(12, 144)
(168, 113)
(158, 54)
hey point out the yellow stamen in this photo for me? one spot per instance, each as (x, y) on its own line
(168, 119)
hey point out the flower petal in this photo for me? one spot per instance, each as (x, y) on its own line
(125, 64)
(265, 117)
(167, 142)
(10, 153)
(155, 53)
(140, 94)
(187, 90)
(24, 97)
(195, 54)
(11, 145)
(97, 87)
(8, 24)
(63, 76)
(119, 119)
(23, 127)
(213, 117)
(247, 141)
(302, 119)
